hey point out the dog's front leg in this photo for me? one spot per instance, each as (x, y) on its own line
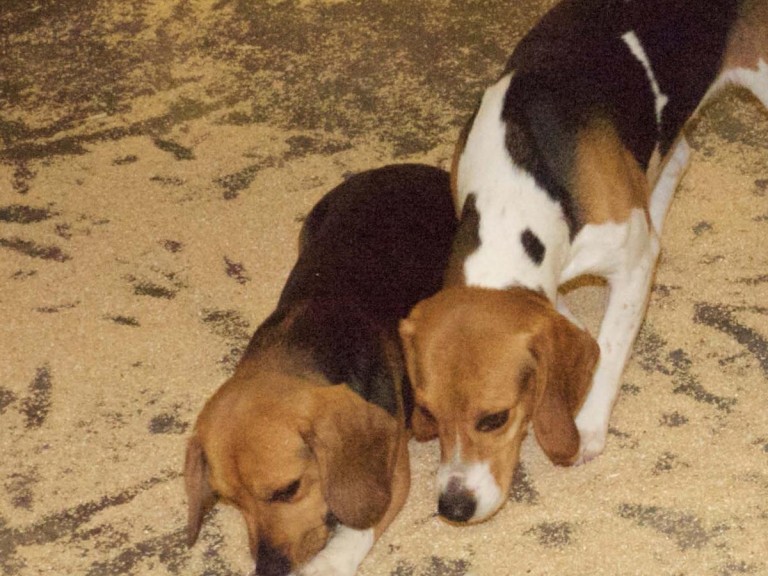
(342, 555)
(629, 286)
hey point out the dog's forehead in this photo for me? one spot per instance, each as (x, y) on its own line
(260, 440)
(474, 347)
(471, 331)
(477, 372)
(481, 310)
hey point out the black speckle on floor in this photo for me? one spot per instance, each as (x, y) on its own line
(21, 214)
(234, 329)
(666, 463)
(153, 290)
(124, 320)
(702, 227)
(552, 534)
(7, 397)
(179, 152)
(167, 180)
(34, 250)
(686, 530)
(235, 183)
(630, 389)
(673, 420)
(37, 404)
(172, 246)
(753, 280)
(523, 490)
(123, 160)
(302, 145)
(734, 567)
(167, 424)
(236, 271)
(652, 355)
(722, 318)
(20, 487)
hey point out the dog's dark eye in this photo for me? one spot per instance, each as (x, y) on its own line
(287, 493)
(428, 416)
(492, 421)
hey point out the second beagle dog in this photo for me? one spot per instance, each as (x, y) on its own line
(567, 167)
(307, 438)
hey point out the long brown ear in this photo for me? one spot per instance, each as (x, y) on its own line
(566, 358)
(422, 425)
(200, 496)
(355, 444)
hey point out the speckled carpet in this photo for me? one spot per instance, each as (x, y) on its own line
(157, 157)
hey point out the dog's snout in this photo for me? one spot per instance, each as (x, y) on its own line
(456, 504)
(271, 562)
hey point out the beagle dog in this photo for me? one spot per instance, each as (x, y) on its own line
(567, 167)
(308, 438)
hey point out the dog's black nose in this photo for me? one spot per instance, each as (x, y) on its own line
(457, 505)
(271, 562)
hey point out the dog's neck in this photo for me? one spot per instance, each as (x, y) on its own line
(518, 259)
(512, 232)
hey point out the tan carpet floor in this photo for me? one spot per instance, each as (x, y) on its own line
(156, 159)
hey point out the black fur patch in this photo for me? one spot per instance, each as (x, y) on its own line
(466, 241)
(533, 246)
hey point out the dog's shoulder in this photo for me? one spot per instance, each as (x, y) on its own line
(338, 342)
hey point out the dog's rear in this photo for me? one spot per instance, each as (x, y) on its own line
(309, 431)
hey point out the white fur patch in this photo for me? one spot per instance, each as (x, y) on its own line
(342, 555)
(508, 201)
(633, 43)
(610, 248)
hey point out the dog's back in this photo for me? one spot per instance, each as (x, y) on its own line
(369, 250)
(380, 239)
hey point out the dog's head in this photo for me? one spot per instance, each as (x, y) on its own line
(294, 456)
(483, 363)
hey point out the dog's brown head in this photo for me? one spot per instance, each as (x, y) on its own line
(483, 363)
(291, 454)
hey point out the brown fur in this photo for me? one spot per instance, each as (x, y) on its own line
(471, 352)
(608, 183)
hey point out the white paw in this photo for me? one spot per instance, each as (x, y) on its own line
(342, 555)
(592, 433)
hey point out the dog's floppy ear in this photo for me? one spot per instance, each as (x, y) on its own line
(422, 425)
(355, 443)
(200, 496)
(566, 357)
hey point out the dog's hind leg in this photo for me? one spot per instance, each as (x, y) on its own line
(664, 189)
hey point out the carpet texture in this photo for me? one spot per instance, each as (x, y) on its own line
(157, 159)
